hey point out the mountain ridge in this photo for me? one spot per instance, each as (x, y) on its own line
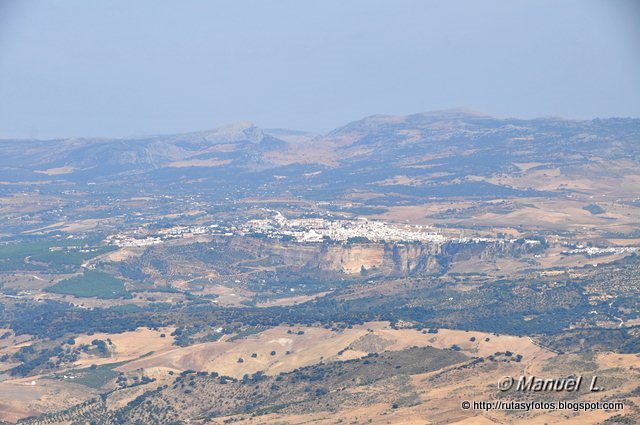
(459, 112)
(425, 154)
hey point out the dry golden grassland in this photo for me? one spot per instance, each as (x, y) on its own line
(317, 344)
(439, 393)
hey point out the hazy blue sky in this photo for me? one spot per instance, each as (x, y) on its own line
(121, 68)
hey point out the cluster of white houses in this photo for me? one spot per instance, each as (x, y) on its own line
(303, 230)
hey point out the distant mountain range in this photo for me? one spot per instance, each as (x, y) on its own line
(427, 154)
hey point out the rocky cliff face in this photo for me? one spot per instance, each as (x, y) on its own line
(405, 259)
(394, 259)
(352, 259)
(248, 255)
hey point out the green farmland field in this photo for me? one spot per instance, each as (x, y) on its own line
(91, 284)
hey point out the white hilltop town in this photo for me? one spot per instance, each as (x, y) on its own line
(302, 230)
(320, 229)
